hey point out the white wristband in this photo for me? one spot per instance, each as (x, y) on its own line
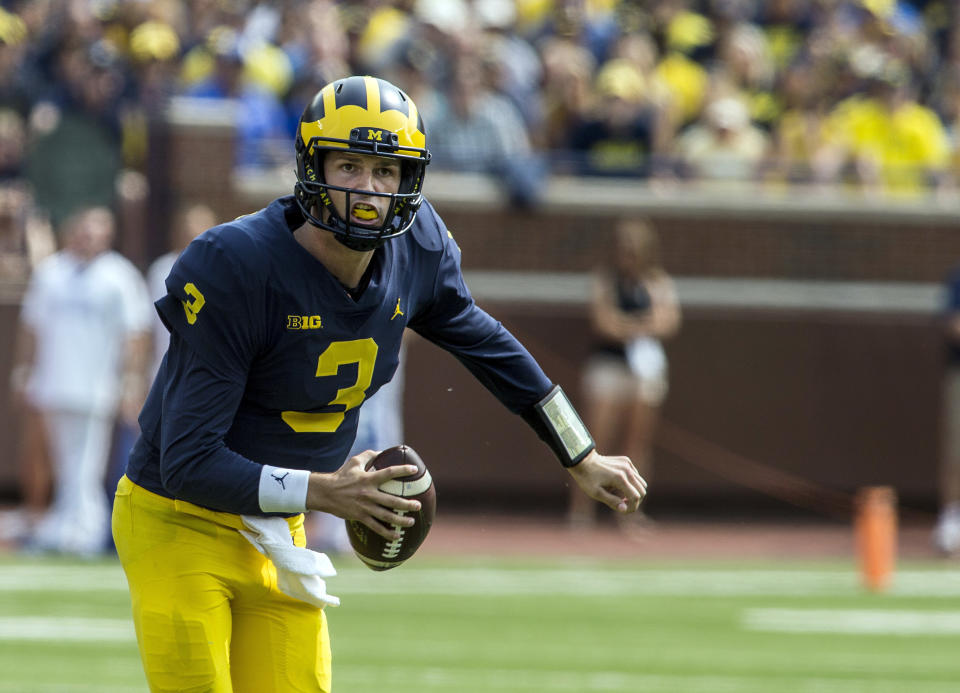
(283, 490)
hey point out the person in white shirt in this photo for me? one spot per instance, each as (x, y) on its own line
(84, 330)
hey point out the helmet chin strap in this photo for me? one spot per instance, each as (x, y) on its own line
(359, 243)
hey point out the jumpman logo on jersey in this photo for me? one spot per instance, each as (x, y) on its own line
(396, 311)
(280, 480)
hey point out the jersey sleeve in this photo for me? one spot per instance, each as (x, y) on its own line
(214, 311)
(215, 302)
(199, 404)
(453, 321)
(951, 300)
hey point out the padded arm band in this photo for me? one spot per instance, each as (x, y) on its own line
(559, 426)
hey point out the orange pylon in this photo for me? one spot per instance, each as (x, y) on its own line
(875, 528)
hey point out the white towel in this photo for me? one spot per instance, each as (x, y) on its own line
(300, 571)
(646, 358)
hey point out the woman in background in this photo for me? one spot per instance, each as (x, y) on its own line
(634, 307)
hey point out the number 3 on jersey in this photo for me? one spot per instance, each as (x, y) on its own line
(362, 352)
(196, 302)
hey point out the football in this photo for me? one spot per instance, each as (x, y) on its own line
(377, 552)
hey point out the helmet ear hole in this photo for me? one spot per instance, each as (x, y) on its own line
(408, 177)
(319, 158)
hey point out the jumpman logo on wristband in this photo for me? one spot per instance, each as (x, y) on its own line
(280, 480)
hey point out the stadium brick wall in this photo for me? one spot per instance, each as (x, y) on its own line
(837, 249)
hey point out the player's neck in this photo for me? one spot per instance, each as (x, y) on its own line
(347, 265)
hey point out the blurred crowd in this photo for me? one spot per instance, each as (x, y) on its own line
(858, 93)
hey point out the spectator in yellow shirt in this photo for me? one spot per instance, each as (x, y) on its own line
(895, 144)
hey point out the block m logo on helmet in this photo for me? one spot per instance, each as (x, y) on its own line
(377, 139)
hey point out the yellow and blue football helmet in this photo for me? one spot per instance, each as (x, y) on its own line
(364, 115)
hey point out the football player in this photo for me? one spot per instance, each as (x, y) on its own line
(281, 324)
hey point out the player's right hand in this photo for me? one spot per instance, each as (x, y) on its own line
(353, 493)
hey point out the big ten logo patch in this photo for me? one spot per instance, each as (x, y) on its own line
(304, 322)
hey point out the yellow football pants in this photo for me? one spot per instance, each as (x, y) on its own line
(208, 615)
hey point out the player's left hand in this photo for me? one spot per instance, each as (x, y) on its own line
(612, 480)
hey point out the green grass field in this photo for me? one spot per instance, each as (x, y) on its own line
(495, 625)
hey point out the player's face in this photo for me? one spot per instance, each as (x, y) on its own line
(362, 172)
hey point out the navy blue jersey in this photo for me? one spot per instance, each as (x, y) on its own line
(270, 357)
(951, 308)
